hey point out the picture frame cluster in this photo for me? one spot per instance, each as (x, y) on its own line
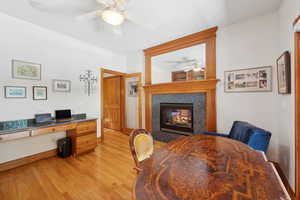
(259, 79)
(32, 71)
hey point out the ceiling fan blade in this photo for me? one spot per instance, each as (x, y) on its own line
(107, 3)
(65, 7)
(89, 16)
(183, 68)
(101, 26)
(117, 30)
(173, 62)
(120, 4)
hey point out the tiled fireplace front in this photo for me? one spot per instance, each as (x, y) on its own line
(196, 101)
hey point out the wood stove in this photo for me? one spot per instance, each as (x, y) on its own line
(177, 118)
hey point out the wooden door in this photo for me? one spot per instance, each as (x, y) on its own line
(112, 103)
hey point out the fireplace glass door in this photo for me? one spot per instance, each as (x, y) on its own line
(176, 118)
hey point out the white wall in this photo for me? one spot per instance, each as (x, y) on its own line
(253, 43)
(62, 57)
(135, 62)
(288, 12)
(260, 42)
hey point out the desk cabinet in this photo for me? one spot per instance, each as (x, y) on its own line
(84, 137)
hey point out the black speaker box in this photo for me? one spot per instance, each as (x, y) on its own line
(64, 147)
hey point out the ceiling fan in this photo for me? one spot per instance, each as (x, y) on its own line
(112, 12)
(187, 64)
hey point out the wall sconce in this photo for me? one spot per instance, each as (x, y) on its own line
(89, 80)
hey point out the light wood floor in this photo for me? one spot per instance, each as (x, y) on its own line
(104, 174)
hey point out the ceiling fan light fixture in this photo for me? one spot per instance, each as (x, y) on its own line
(113, 17)
(197, 69)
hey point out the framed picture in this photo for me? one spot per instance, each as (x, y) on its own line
(249, 80)
(26, 70)
(132, 88)
(284, 73)
(14, 92)
(61, 86)
(39, 92)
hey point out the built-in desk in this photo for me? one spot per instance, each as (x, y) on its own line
(82, 130)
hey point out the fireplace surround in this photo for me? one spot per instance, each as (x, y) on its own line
(195, 103)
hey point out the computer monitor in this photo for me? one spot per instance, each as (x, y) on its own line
(63, 114)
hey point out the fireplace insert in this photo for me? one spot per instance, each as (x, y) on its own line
(177, 118)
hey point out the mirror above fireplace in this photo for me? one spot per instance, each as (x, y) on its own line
(189, 58)
(180, 65)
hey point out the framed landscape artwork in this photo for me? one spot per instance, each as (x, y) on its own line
(39, 92)
(249, 80)
(284, 73)
(26, 70)
(14, 92)
(61, 86)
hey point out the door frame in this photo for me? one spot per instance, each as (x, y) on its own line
(139, 103)
(108, 71)
(297, 110)
(123, 98)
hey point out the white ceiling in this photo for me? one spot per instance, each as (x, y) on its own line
(164, 20)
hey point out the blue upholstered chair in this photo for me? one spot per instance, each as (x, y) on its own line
(254, 137)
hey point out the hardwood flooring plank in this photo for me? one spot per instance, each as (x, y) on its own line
(105, 174)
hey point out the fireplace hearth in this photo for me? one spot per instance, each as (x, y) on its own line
(177, 118)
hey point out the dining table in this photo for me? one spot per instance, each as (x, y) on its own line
(205, 167)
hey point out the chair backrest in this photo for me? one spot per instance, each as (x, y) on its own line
(141, 145)
(260, 140)
(251, 135)
(241, 131)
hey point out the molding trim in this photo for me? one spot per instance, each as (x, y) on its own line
(182, 87)
(297, 114)
(284, 180)
(207, 37)
(183, 42)
(27, 160)
(108, 71)
(137, 75)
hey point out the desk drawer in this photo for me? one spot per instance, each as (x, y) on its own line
(86, 127)
(14, 136)
(85, 143)
(53, 129)
(65, 127)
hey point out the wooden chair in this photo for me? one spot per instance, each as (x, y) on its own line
(141, 145)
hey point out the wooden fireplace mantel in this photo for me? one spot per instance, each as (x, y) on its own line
(207, 86)
(195, 86)
(187, 87)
